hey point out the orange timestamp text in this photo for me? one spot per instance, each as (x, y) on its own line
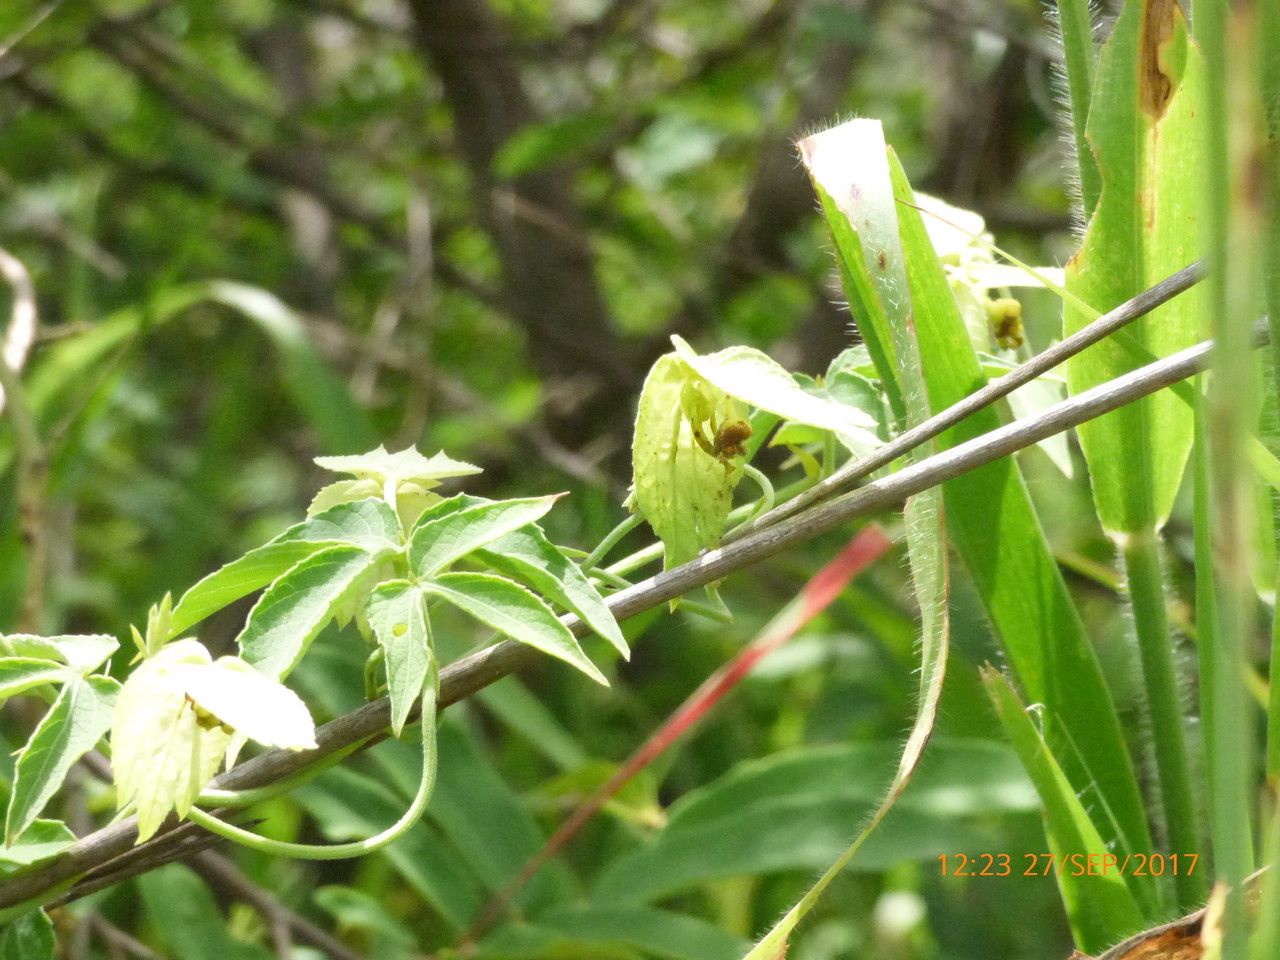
(1068, 864)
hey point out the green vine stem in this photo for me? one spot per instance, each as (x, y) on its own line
(611, 539)
(765, 503)
(356, 848)
(215, 798)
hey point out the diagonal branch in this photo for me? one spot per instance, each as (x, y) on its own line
(855, 470)
(368, 723)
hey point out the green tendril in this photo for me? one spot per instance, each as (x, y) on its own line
(356, 848)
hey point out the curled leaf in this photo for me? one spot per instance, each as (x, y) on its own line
(175, 717)
(684, 491)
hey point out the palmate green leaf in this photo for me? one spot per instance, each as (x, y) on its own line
(78, 719)
(1149, 146)
(397, 615)
(1101, 908)
(684, 493)
(367, 523)
(527, 555)
(20, 674)
(758, 380)
(403, 466)
(239, 578)
(296, 607)
(799, 809)
(512, 610)
(441, 538)
(28, 937)
(1016, 574)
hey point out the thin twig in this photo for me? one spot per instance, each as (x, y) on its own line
(851, 473)
(222, 875)
(117, 940)
(32, 462)
(368, 724)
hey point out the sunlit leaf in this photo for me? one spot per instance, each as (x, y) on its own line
(162, 752)
(20, 674)
(249, 702)
(1149, 146)
(82, 652)
(40, 841)
(757, 379)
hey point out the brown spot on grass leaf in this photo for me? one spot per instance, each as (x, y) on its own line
(1156, 80)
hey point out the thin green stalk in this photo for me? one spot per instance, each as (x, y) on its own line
(611, 539)
(1146, 593)
(1225, 33)
(765, 503)
(212, 797)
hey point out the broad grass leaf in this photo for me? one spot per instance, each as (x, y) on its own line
(73, 725)
(294, 609)
(527, 555)
(524, 714)
(1149, 145)
(596, 930)
(439, 540)
(515, 612)
(684, 493)
(1101, 908)
(397, 615)
(799, 808)
(993, 525)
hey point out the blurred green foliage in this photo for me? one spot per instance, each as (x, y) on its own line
(481, 221)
